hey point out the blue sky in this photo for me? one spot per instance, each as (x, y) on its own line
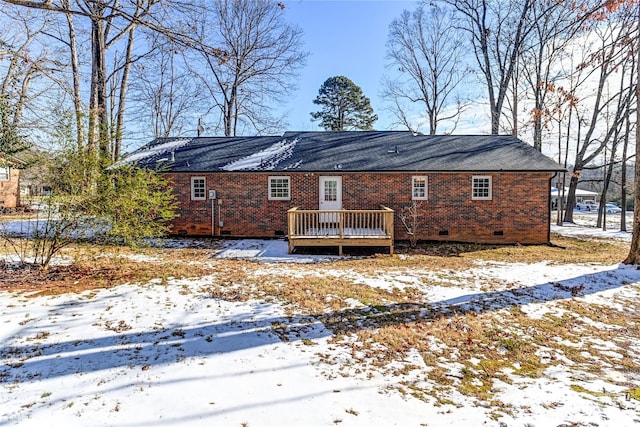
(343, 38)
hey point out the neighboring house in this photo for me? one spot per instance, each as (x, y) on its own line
(9, 183)
(582, 196)
(484, 189)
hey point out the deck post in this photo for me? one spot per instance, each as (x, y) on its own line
(292, 226)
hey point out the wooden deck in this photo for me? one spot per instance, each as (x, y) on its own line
(340, 228)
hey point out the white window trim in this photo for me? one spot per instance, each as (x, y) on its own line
(286, 178)
(475, 177)
(413, 187)
(6, 171)
(193, 195)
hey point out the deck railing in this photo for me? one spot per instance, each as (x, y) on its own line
(365, 227)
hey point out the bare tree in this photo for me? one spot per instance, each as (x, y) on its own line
(27, 68)
(166, 96)
(265, 54)
(426, 50)
(75, 74)
(627, 137)
(554, 27)
(122, 69)
(634, 251)
(610, 41)
(109, 22)
(498, 31)
(559, 113)
(412, 218)
(620, 138)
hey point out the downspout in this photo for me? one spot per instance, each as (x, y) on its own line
(213, 218)
(555, 174)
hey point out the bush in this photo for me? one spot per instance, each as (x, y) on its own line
(120, 205)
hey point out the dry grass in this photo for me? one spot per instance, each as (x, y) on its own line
(388, 325)
(490, 345)
(96, 267)
(465, 255)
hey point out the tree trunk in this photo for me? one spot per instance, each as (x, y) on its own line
(571, 197)
(96, 97)
(623, 173)
(634, 251)
(514, 109)
(560, 184)
(537, 120)
(602, 210)
(75, 71)
(623, 170)
(122, 98)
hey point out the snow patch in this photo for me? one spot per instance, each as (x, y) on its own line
(266, 159)
(268, 251)
(295, 165)
(155, 150)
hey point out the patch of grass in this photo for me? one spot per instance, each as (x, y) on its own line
(579, 389)
(564, 249)
(496, 369)
(475, 384)
(98, 272)
(633, 393)
(178, 333)
(118, 327)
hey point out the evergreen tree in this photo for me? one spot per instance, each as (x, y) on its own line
(344, 106)
(11, 142)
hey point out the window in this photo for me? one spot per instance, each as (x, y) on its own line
(419, 188)
(4, 173)
(330, 191)
(198, 188)
(481, 188)
(279, 188)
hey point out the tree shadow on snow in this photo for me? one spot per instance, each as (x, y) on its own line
(180, 343)
(371, 317)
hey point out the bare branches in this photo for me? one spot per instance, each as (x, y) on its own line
(411, 218)
(427, 53)
(264, 54)
(498, 33)
(109, 23)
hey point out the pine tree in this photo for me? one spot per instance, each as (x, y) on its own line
(344, 106)
(11, 142)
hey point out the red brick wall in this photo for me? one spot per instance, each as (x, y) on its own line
(10, 190)
(517, 212)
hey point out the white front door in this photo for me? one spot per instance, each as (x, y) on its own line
(330, 196)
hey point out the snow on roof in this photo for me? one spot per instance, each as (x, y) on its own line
(579, 192)
(154, 150)
(266, 159)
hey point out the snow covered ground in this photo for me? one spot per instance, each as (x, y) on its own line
(585, 226)
(175, 355)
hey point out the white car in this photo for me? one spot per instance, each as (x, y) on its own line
(611, 208)
(587, 205)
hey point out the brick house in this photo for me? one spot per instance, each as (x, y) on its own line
(9, 183)
(483, 189)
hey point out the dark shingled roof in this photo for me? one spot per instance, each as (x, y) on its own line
(346, 151)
